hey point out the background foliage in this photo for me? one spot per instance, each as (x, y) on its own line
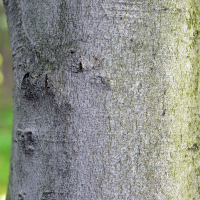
(6, 85)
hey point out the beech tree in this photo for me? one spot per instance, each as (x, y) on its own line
(106, 99)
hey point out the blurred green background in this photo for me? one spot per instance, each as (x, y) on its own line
(6, 86)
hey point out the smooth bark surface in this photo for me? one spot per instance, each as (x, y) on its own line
(106, 99)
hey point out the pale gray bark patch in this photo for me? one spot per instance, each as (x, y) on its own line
(77, 135)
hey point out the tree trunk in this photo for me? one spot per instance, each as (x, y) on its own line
(106, 99)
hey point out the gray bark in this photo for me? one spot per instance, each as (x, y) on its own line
(106, 99)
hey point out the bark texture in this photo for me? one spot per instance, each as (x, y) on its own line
(106, 99)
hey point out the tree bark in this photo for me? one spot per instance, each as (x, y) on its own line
(106, 99)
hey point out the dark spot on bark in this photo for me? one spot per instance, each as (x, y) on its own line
(194, 147)
(72, 51)
(48, 195)
(29, 89)
(31, 94)
(164, 112)
(80, 66)
(20, 197)
(101, 82)
(25, 82)
(35, 89)
(51, 195)
(46, 83)
(68, 106)
(165, 9)
(27, 142)
(29, 136)
(165, 91)
(151, 68)
(11, 167)
(106, 82)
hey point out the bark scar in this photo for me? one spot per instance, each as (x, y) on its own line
(65, 124)
(46, 82)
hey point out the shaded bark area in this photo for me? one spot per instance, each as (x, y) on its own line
(96, 100)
